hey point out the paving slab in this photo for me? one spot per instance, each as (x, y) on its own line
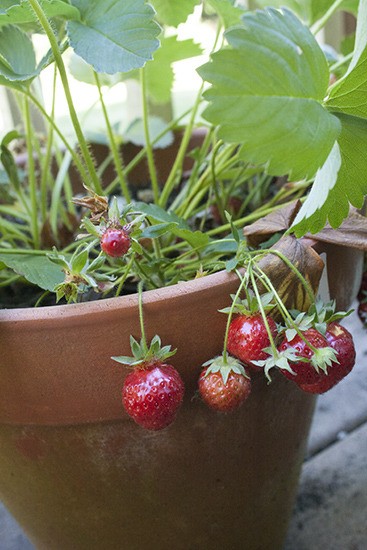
(344, 407)
(331, 507)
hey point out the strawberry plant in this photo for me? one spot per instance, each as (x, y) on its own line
(284, 129)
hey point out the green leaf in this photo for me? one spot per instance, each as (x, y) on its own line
(302, 8)
(229, 14)
(160, 215)
(154, 231)
(21, 13)
(196, 239)
(114, 35)
(159, 73)
(172, 12)
(343, 184)
(267, 92)
(349, 94)
(309, 10)
(38, 270)
(17, 57)
(135, 132)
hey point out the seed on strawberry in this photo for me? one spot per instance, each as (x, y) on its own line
(152, 395)
(314, 355)
(340, 339)
(224, 384)
(248, 337)
(115, 242)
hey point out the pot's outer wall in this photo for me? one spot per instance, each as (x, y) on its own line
(77, 473)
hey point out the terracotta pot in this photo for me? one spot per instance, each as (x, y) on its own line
(77, 473)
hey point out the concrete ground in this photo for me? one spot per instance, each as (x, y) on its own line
(331, 507)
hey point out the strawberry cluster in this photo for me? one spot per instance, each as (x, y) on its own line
(313, 350)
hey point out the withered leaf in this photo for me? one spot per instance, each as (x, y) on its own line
(289, 287)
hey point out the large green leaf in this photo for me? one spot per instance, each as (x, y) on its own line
(349, 94)
(174, 12)
(339, 182)
(267, 93)
(159, 73)
(38, 270)
(21, 13)
(114, 35)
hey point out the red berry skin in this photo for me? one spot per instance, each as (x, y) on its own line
(115, 242)
(152, 395)
(305, 372)
(223, 397)
(247, 337)
(341, 340)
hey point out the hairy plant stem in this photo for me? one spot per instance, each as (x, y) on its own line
(95, 183)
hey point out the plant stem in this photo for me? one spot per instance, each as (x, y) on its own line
(114, 149)
(243, 279)
(141, 317)
(262, 312)
(31, 176)
(149, 148)
(180, 157)
(320, 24)
(64, 79)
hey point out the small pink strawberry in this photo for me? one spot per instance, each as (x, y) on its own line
(115, 242)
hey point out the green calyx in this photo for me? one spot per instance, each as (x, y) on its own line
(224, 366)
(250, 304)
(145, 355)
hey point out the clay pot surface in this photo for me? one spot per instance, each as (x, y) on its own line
(78, 473)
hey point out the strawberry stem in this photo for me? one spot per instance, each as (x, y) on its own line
(262, 311)
(282, 308)
(243, 280)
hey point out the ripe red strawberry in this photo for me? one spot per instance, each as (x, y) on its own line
(312, 364)
(248, 337)
(115, 242)
(340, 339)
(224, 384)
(152, 394)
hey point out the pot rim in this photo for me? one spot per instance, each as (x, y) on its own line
(92, 308)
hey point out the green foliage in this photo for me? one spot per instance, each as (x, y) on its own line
(37, 269)
(278, 109)
(125, 32)
(174, 13)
